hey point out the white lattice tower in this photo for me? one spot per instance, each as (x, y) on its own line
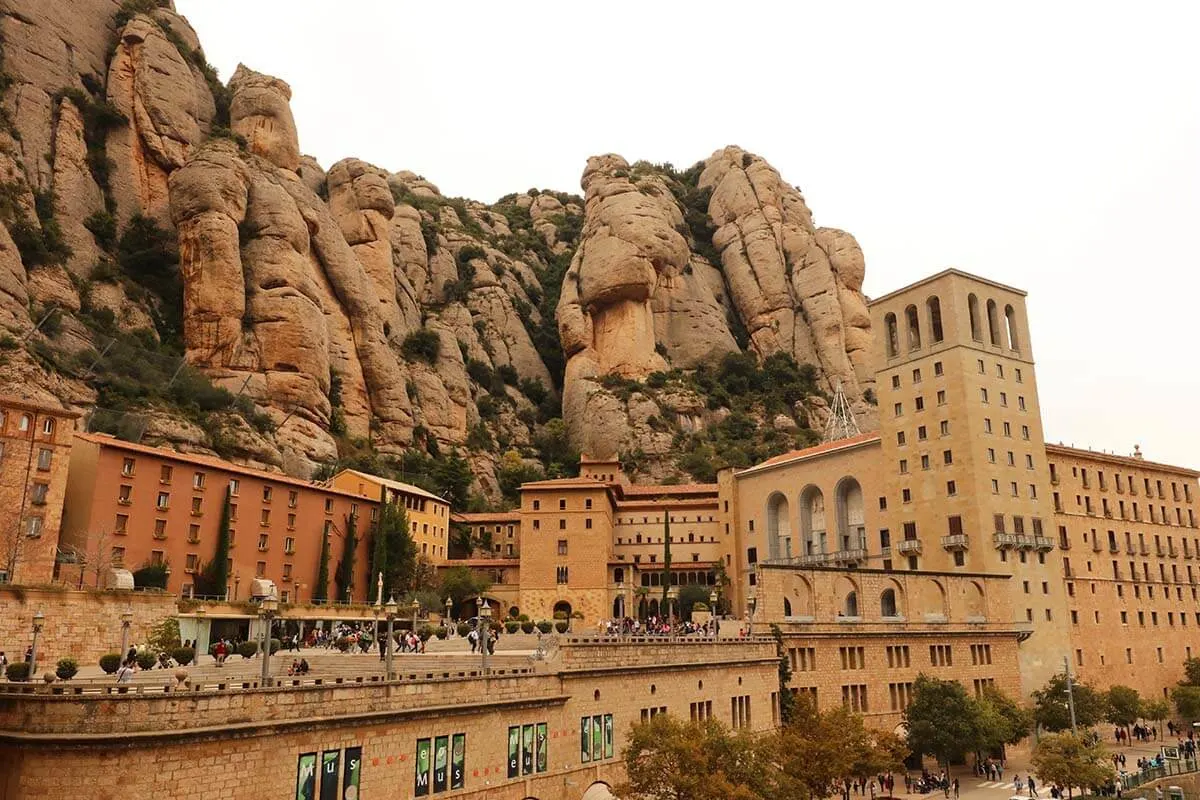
(841, 423)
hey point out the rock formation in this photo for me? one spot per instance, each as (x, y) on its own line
(152, 213)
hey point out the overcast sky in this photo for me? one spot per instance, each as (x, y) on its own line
(1051, 146)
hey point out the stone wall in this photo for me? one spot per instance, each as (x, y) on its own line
(246, 743)
(81, 624)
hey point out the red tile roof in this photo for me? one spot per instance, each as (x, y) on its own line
(667, 489)
(487, 516)
(481, 562)
(824, 447)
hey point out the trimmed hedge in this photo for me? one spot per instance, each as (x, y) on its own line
(527, 626)
(247, 649)
(146, 659)
(183, 655)
(545, 626)
(66, 668)
(110, 663)
(463, 629)
(561, 626)
(17, 671)
(441, 632)
(512, 626)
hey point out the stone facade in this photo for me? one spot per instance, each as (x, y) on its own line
(246, 743)
(35, 442)
(83, 625)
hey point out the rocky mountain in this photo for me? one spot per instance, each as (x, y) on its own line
(173, 266)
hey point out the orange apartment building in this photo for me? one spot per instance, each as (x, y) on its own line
(35, 442)
(147, 505)
(428, 514)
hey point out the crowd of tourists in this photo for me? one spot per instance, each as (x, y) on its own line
(657, 626)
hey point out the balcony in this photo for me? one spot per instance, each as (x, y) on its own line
(1144, 548)
(1024, 542)
(813, 559)
(956, 541)
(909, 547)
(1159, 550)
(124, 501)
(1131, 550)
(1043, 543)
(1172, 552)
(1004, 541)
(886, 552)
(1188, 553)
(848, 556)
(160, 535)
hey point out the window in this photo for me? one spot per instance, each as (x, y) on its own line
(44, 457)
(995, 487)
(1008, 429)
(941, 655)
(263, 541)
(40, 490)
(853, 657)
(1025, 432)
(33, 527)
(895, 381)
(117, 554)
(562, 547)
(925, 462)
(898, 409)
(983, 395)
(980, 363)
(561, 574)
(854, 697)
(921, 433)
(1028, 461)
(951, 488)
(897, 656)
(234, 486)
(900, 695)
(941, 397)
(193, 533)
(164, 501)
(903, 466)
(191, 563)
(1004, 399)
(267, 491)
(127, 467)
(198, 479)
(328, 505)
(587, 523)
(991, 455)
(944, 427)
(937, 368)
(920, 404)
(260, 569)
(987, 425)
(906, 495)
(562, 524)
(122, 523)
(196, 506)
(947, 457)
(537, 504)
(900, 438)
(160, 529)
(291, 521)
(916, 376)
(562, 504)
(1021, 402)
(48, 426)
(587, 504)
(164, 474)
(265, 517)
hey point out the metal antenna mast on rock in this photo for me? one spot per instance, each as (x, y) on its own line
(841, 423)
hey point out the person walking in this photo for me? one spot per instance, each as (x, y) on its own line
(956, 789)
(1032, 787)
(125, 673)
(1018, 784)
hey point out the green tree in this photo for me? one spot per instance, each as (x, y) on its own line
(942, 720)
(344, 577)
(1051, 711)
(787, 700)
(1072, 761)
(689, 596)
(461, 584)
(1156, 711)
(393, 552)
(667, 759)
(1003, 721)
(1187, 702)
(666, 571)
(213, 579)
(320, 592)
(1124, 706)
(1191, 671)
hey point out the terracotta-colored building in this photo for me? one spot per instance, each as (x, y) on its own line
(142, 505)
(35, 443)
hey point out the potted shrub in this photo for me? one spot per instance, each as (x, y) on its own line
(146, 659)
(463, 629)
(523, 618)
(17, 671)
(425, 632)
(247, 649)
(561, 626)
(66, 668)
(275, 645)
(526, 626)
(512, 626)
(110, 663)
(441, 632)
(183, 655)
(545, 626)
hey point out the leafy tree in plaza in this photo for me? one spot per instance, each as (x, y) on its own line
(1002, 720)
(320, 592)
(213, 579)
(393, 551)
(1191, 672)
(1187, 702)
(668, 759)
(1124, 706)
(1071, 761)
(689, 596)
(461, 584)
(1051, 710)
(815, 750)
(344, 577)
(943, 721)
(1156, 711)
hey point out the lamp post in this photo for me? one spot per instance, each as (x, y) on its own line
(391, 609)
(713, 597)
(672, 603)
(624, 608)
(126, 621)
(199, 612)
(267, 611)
(39, 619)
(449, 608)
(416, 609)
(485, 633)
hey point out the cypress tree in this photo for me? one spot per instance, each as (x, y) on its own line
(321, 588)
(344, 577)
(213, 580)
(666, 579)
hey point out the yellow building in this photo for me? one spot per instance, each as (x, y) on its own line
(428, 514)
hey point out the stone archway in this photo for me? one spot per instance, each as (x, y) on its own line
(599, 791)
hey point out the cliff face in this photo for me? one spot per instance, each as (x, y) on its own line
(195, 279)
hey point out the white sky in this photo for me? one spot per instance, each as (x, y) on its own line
(1051, 146)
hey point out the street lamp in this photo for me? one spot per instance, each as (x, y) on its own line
(484, 632)
(391, 609)
(126, 621)
(267, 611)
(449, 607)
(39, 619)
(672, 602)
(416, 609)
(199, 612)
(713, 597)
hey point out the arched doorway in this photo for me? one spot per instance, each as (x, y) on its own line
(618, 608)
(562, 610)
(598, 791)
